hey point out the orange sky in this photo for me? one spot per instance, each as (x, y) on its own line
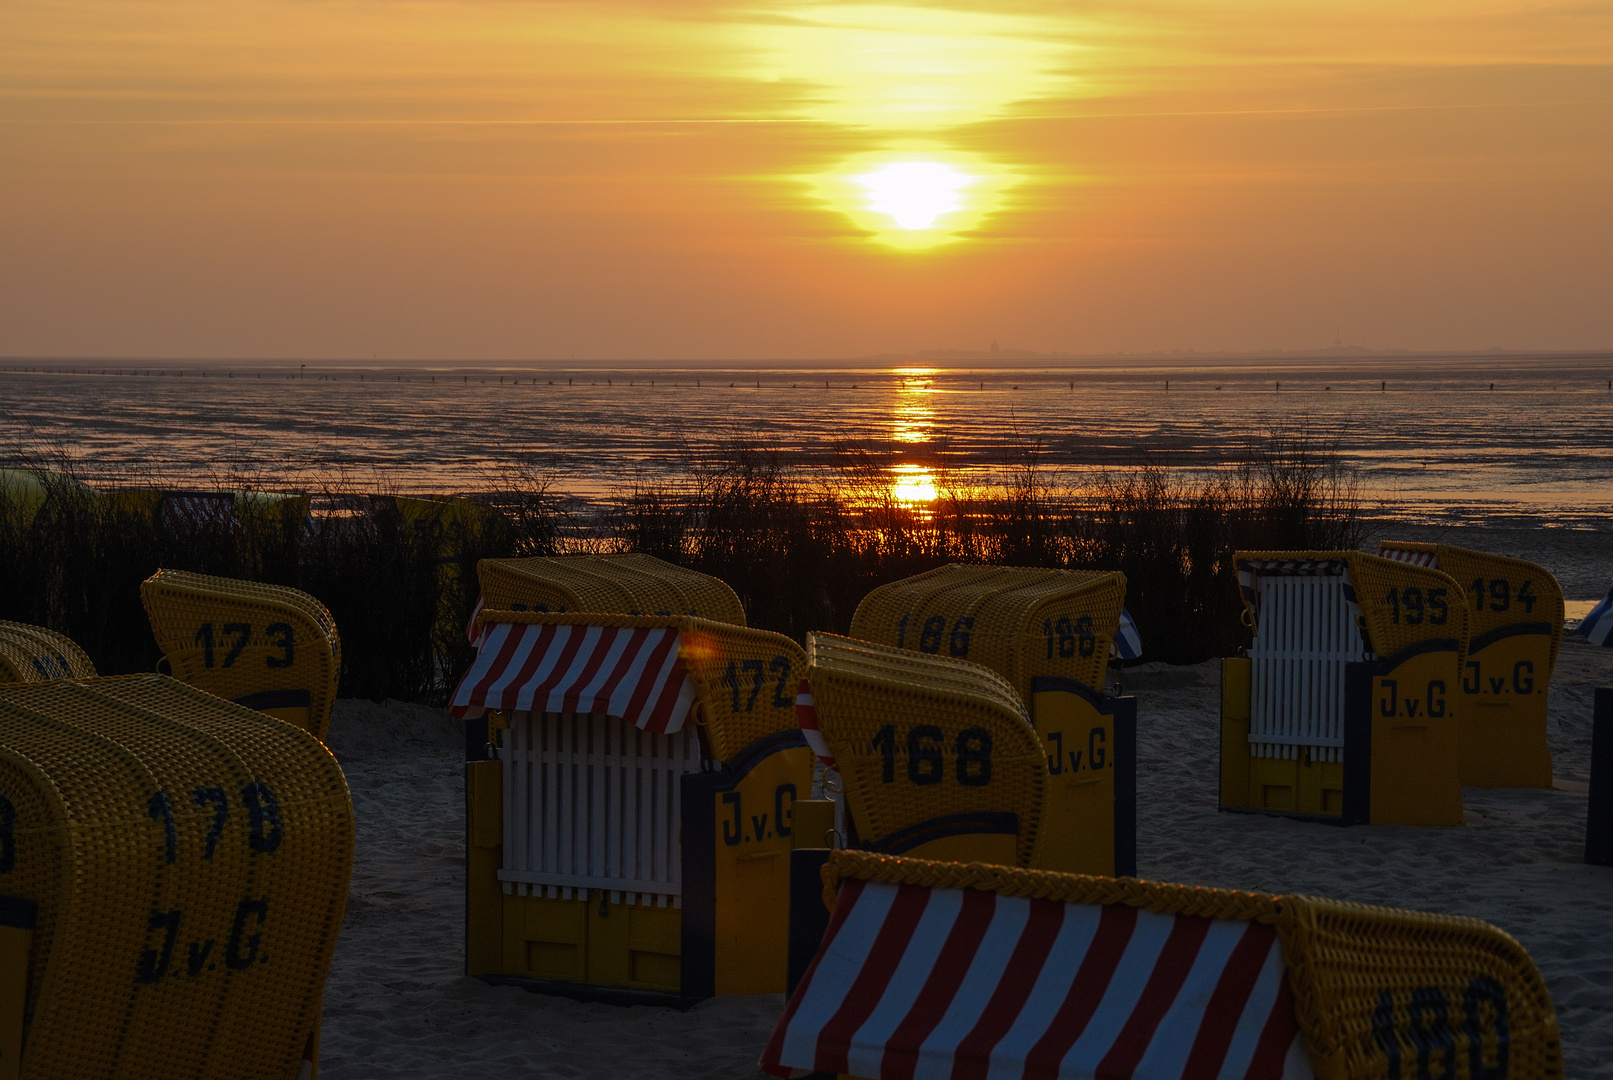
(507, 179)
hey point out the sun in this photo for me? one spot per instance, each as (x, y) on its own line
(915, 194)
(914, 197)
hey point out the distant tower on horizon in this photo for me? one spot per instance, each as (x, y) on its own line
(993, 344)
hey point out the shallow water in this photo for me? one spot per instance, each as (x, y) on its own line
(1432, 438)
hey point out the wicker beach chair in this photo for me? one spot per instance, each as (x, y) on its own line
(937, 755)
(624, 584)
(938, 969)
(1023, 623)
(1344, 707)
(173, 875)
(1049, 634)
(268, 647)
(630, 839)
(35, 654)
(1515, 611)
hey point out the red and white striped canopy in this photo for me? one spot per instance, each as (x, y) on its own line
(951, 984)
(633, 672)
(806, 718)
(1415, 558)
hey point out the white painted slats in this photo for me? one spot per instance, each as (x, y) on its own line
(591, 802)
(1306, 636)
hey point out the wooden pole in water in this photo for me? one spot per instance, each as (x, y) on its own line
(1599, 813)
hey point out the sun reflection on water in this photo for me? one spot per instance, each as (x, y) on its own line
(912, 417)
(913, 485)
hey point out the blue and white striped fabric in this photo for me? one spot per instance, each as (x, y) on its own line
(1128, 643)
(1597, 627)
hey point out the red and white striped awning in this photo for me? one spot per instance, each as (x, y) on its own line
(1415, 558)
(633, 672)
(950, 984)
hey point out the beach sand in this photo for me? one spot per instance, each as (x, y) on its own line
(397, 1005)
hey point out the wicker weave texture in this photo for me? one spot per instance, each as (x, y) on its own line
(1404, 605)
(267, 646)
(744, 680)
(190, 860)
(918, 738)
(1018, 621)
(1379, 993)
(618, 584)
(1513, 591)
(35, 654)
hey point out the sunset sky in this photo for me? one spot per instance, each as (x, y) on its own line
(510, 180)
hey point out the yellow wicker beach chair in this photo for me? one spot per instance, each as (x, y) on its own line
(35, 654)
(173, 872)
(1515, 610)
(1048, 633)
(631, 840)
(1023, 623)
(268, 647)
(1192, 982)
(937, 755)
(627, 584)
(1345, 706)
(624, 584)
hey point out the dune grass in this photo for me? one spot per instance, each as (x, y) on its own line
(801, 547)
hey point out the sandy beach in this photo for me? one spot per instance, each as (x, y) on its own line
(397, 1005)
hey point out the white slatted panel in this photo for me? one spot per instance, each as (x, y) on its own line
(591, 802)
(1306, 636)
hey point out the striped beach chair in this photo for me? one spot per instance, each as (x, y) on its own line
(1515, 611)
(35, 654)
(630, 839)
(940, 969)
(173, 874)
(268, 647)
(1344, 708)
(1050, 634)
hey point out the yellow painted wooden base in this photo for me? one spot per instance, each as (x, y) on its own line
(1501, 715)
(1410, 778)
(1415, 777)
(597, 942)
(591, 941)
(1078, 822)
(1501, 749)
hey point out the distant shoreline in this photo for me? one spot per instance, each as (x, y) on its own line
(951, 361)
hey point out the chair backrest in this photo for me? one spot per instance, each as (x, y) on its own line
(186, 864)
(1079, 976)
(1020, 622)
(615, 584)
(937, 755)
(268, 647)
(35, 654)
(1505, 597)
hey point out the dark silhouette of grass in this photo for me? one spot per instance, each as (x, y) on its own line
(800, 548)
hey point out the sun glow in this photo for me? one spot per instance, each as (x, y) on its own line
(914, 197)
